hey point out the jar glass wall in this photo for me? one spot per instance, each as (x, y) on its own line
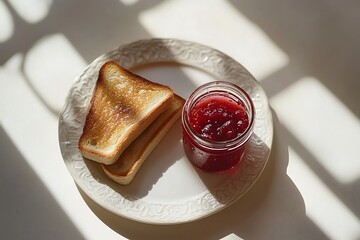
(218, 120)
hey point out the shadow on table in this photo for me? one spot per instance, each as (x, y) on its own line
(86, 32)
(321, 39)
(87, 28)
(229, 186)
(28, 210)
(272, 209)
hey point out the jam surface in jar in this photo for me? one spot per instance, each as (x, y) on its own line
(217, 120)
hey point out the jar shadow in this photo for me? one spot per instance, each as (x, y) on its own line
(229, 186)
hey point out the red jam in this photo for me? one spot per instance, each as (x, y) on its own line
(218, 118)
(217, 124)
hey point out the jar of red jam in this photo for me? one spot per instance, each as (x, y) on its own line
(218, 120)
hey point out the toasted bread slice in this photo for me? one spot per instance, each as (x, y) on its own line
(125, 168)
(122, 107)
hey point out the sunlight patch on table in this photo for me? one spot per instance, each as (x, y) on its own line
(129, 2)
(31, 11)
(323, 124)
(6, 23)
(51, 66)
(32, 129)
(255, 49)
(323, 207)
(231, 236)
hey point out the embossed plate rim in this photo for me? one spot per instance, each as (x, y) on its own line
(207, 59)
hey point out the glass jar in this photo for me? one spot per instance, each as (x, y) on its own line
(218, 121)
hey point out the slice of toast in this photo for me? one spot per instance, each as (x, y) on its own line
(125, 168)
(122, 107)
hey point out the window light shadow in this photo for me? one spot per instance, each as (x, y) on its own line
(28, 210)
(47, 44)
(320, 38)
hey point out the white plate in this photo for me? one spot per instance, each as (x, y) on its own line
(167, 189)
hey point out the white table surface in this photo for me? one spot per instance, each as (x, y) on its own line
(305, 54)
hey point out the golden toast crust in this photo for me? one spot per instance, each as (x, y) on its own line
(122, 106)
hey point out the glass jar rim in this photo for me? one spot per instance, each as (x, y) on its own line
(216, 87)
